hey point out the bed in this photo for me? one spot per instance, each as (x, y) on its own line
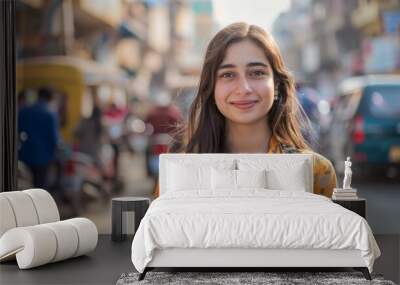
(247, 210)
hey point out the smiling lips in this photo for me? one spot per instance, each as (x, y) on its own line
(244, 104)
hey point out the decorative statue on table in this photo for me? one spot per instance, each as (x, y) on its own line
(347, 174)
(346, 193)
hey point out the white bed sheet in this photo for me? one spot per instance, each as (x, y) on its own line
(250, 218)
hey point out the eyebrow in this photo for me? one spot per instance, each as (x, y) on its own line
(250, 64)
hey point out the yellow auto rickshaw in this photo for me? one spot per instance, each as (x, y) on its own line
(74, 81)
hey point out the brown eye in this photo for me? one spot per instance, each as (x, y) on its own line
(257, 73)
(227, 75)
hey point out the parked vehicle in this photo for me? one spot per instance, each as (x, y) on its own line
(74, 180)
(82, 181)
(366, 124)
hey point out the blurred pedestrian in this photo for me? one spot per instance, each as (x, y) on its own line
(164, 116)
(114, 117)
(39, 136)
(114, 113)
(89, 133)
(21, 99)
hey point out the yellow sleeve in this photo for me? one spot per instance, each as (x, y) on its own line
(324, 176)
(156, 190)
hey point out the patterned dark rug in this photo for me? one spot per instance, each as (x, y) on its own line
(229, 278)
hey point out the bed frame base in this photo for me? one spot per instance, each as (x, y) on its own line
(251, 259)
(143, 274)
(364, 270)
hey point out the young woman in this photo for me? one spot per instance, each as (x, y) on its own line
(246, 103)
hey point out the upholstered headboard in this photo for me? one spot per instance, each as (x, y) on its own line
(295, 168)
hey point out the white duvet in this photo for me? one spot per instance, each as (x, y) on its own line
(253, 218)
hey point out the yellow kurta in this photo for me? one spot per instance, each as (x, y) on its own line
(324, 172)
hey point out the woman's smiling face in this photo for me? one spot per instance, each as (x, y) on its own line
(244, 89)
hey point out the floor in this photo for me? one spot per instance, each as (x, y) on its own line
(103, 266)
(110, 259)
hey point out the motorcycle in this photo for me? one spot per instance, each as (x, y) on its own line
(73, 180)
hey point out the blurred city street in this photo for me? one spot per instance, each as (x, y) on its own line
(136, 184)
(116, 78)
(97, 90)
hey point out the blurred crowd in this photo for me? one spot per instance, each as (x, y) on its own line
(87, 166)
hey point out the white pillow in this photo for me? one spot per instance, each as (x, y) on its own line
(251, 178)
(193, 174)
(223, 179)
(284, 172)
(279, 180)
(182, 177)
(235, 179)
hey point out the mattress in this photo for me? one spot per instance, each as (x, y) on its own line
(250, 219)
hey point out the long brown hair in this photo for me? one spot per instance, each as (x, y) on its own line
(205, 130)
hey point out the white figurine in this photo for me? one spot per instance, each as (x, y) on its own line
(347, 174)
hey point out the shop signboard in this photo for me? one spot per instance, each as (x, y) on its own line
(391, 20)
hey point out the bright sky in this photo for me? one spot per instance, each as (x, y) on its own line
(258, 12)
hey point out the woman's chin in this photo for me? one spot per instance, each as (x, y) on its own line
(247, 120)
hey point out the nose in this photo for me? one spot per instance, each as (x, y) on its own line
(243, 85)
